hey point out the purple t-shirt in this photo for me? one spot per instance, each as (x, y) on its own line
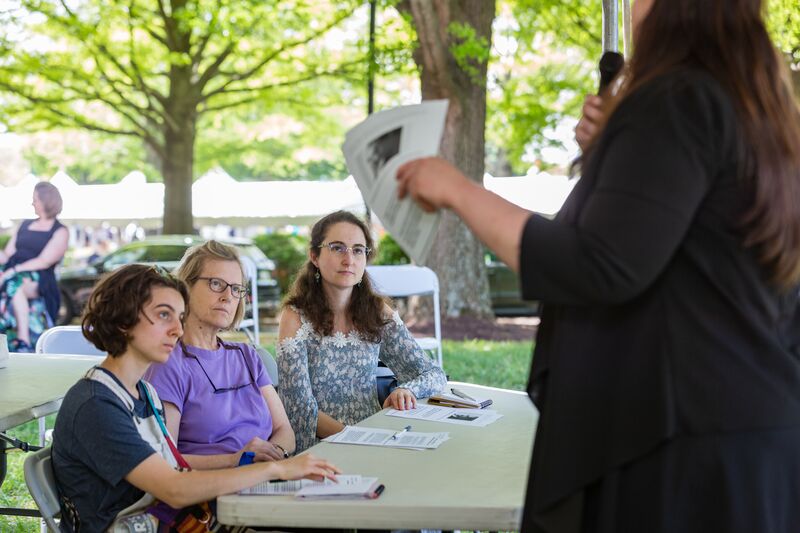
(215, 423)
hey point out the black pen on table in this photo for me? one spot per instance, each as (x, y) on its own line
(404, 430)
(463, 395)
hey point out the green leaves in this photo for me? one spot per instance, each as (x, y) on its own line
(469, 49)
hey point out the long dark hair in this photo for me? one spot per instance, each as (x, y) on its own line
(728, 39)
(365, 309)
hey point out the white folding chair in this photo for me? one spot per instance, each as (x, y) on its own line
(66, 340)
(269, 363)
(250, 323)
(63, 340)
(398, 281)
(38, 470)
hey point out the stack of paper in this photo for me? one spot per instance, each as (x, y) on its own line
(347, 486)
(451, 415)
(388, 437)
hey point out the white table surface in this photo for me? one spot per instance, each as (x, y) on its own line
(33, 385)
(476, 480)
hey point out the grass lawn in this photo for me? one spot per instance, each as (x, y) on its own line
(496, 364)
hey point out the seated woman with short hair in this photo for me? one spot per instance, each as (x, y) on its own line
(111, 451)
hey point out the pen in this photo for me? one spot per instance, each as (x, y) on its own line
(404, 430)
(378, 491)
(463, 395)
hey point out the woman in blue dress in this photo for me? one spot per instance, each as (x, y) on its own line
(333, 331)
(29, 296)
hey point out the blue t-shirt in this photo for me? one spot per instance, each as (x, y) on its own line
(95, 445)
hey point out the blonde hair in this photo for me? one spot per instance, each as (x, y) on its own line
(195, 259)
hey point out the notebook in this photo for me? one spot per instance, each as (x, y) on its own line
(451, 400)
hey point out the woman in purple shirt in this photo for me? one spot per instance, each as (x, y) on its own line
(219, 399)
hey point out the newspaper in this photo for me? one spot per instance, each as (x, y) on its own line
(376, 148)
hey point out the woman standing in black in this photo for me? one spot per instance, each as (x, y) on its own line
(30, 259)
(667, 365)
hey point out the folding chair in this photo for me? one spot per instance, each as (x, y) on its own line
(269, 363)
(250, 323)
(63, 340)
(399, 281)
(66, 340)
(38, 469)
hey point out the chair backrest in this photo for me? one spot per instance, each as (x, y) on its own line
(39, 478)
(250, 324)
(66, 339)
(400, 281)
(269, 363)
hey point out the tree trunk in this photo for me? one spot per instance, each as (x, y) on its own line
(177, 166)
(457, 256)
(177, 169)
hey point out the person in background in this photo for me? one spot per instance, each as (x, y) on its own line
(219, 399)
(29, 261)
(333, 330)
(667, 363)
(111, 452)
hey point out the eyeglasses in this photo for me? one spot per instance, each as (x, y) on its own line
(223, 389)
(220, 285)
(339, 248)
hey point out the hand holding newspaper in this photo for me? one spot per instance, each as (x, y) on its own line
(375, 149)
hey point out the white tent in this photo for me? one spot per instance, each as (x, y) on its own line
(218, 199)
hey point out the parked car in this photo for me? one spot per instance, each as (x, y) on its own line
(77, 283)
(504, 290)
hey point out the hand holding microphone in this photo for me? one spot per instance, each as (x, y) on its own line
(592, 113)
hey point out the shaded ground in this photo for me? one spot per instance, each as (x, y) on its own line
(500, 329)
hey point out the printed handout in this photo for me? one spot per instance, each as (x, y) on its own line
(450, 415)
(388, 437)
(375, 149)
(353, 486)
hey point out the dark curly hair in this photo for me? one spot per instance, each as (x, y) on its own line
(116, 302)
(366, 306)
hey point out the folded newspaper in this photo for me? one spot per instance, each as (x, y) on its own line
(376, 148)
(348, 486)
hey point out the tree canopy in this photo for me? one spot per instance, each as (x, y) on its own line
(151, 69)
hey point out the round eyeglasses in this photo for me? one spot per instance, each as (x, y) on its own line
(220, 285)
(339, 248)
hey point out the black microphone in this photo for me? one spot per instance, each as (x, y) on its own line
(610, 65)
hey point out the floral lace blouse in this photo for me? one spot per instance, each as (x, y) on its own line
(336, 374)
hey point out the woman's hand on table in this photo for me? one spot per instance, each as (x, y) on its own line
(401, 399)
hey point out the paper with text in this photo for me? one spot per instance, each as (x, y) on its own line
(375, 149)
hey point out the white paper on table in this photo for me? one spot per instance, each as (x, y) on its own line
(283, 488)
(365, 436)
(449, 415)
(363, 487)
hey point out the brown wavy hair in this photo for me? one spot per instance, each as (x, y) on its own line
(365, 309)
(728, 39)
(116, 302)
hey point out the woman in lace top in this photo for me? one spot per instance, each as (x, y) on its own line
(334, 329)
